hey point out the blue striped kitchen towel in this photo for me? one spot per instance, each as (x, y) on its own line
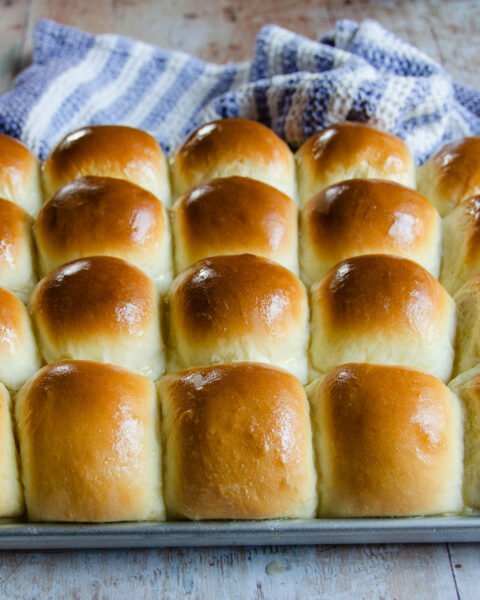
(296, 86)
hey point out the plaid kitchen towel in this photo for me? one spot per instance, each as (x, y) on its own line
(296, 86)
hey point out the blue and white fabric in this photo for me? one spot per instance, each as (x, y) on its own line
(294, 85)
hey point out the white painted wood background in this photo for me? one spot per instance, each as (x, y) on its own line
(223, 30)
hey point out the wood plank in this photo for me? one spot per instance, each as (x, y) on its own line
(465, 560)
(14, 17)
(273, 572)
(224, 30)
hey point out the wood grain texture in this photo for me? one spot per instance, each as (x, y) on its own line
(223, 30)
(370, 572)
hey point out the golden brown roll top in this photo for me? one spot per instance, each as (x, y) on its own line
(233, 147)
(467, 387)
(19, 175)
(349, 150)
(367, 216)
(19, 357)
(89, 444)
(461, 244)
(382, 309)
(467, 346)
(452, 174)
(11, 492)
(105, 216)
(17, 252)
(237, 308)
(100, 308)
(108, 151)
(234, 215)
(388, 442)
(237, 444)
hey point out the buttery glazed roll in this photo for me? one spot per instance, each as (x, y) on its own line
(11, 493)
(237, 444)
(17, 254)
(19, 357)
(236, 308)
(100, 308)
(348, 150)
(467, 387)
(96, 455)
(105, 216)
(388, 442)
(109, 151)
(233, 215)
(382, 309)
(452, 175)
(19, 175)
(233, 147)
(367, 216)
(467, 353)
(461, 245)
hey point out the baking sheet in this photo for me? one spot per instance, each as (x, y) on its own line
(22, 536)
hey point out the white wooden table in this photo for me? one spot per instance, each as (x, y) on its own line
(224, 30)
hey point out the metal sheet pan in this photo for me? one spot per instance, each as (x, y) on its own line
(22, 536)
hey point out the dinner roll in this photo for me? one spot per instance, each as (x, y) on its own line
(237, 444)
(105, 216)
(233, 215)
(234, 308)
(382, 309)
(100, 308)
(388, 442)
(233, 147)
(347, 150)
(18, 351)
(11, 493)
(467, 388)
(109, 151)
(367, 216)
(467, 353)
(89, 444)
(461, 245)
(452, 175)
(19, 175)
(17, 254)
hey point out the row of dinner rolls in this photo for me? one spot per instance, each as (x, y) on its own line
(376, 308)
(243, 148)
(239, 441)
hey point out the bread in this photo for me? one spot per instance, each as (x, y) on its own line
(105, 216)
(108, 151)
(237, 444)
(234, 215)
(100, 308)
(367, 216)
(233, 147)
(467, 387)
(19, 175)
(348, 150)
(11, 493)
(19, 357)
(461, 245)
(89, 444)
(238, 308)
(388, 442)
(382, 309)
(17, 253)
(451, 175)
(467, 353)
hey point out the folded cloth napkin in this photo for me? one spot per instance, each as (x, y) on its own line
(296, 86)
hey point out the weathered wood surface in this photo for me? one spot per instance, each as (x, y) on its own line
(223, 30)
